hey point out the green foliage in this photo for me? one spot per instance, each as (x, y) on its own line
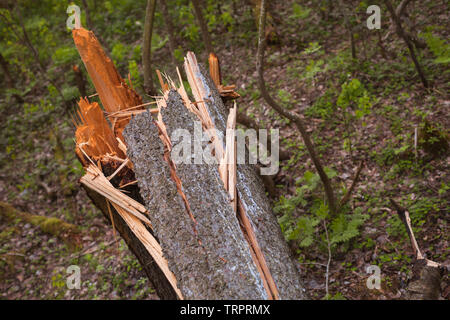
(299, 12)
(355, 103)
(419, 211)
(219, 19)
(65, 55)
(323, 107)
(133, 69)
(439, 47)
(158, 42)
(337, 296)
(286, 98)
(346, 226)
(313, 47)
(119, 51)
(304, 229)
(354, 94)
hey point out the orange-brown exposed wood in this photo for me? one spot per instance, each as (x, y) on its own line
(226, 92)
(114, 93)
(94, 134)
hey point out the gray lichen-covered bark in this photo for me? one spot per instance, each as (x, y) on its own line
(209, 257)
(257, 207)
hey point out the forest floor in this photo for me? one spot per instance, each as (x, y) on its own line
(305, 71)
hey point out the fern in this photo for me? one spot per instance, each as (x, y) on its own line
(438, 46)
(304, 229)
(345, 227)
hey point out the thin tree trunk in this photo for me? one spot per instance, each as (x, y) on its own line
(291, 116)
(91, 27)
(88, 16)
(146, 50)
(352, 42)
(9, 79)
(401, 33)
(203, 26)
(80, 80)
(170, 30)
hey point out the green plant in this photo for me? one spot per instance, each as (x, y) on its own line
(323, 107)
(355, 103)
(305, 228)
(299, 12)
(439, 47)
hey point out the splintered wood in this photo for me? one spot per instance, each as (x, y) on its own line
(98, 145)
(226, 92)
(227, 165)
(96, 180)
(94, 134)
(112, 90)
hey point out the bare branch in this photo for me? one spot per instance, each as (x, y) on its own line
(402, 34)
(291, 116)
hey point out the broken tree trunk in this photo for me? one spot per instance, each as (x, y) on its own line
(195, 225)
(253, 203)
(205, 232)
(109, 174)
(155, 274)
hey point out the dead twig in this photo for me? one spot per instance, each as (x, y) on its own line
(289, 115)
(405, 218)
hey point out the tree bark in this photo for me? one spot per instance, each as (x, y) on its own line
(203, 26)
(197, 228)
(256, 206)
(402, 34)
(9, 79)
(170, 30)
(147, 46)
(27, 42)
(201, 241)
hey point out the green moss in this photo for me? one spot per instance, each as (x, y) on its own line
(51, 225)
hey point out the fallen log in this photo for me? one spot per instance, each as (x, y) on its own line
(206, 250)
